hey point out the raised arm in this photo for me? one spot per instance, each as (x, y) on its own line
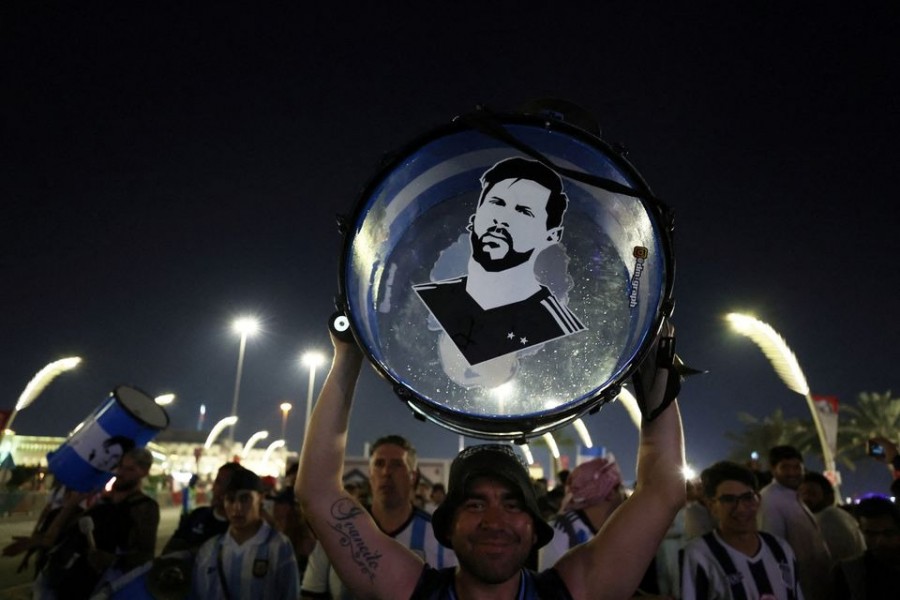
(370, 563)
(612, 563)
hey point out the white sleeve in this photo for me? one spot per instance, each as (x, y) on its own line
(555, 548)
(315, 577)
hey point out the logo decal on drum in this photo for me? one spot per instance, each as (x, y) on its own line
(499, 307)
(640, 254)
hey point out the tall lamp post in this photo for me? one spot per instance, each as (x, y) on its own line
(788, 369)
(245, 326)
(313, 360)
(285, 409)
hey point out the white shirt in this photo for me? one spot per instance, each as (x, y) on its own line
(703, 577)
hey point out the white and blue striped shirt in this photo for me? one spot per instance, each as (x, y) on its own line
(263, 567)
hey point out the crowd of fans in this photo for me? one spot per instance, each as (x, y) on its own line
(735, 538)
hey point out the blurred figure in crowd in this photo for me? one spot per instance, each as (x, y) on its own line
(875, 574)
(204, 522)
(783, 514)
(840, 530)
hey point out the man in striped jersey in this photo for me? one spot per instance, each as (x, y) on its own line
(736, 561)
(393, 475)
(251, 559)
(500, 307)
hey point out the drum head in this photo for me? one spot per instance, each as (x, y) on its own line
(506, 273)
(142, 407)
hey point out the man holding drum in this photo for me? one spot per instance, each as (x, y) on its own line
(490, 516)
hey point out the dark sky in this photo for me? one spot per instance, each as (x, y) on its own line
(167, 169)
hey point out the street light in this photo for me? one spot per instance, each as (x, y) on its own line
(217, 429)
(37, 384)
(313, 360)
(785, 363)
(259, 435)
(245, 326)
(285, 409)
(165, 399)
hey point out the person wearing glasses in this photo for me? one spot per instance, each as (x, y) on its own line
(736, 560)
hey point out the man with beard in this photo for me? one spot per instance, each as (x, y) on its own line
(735, 560)
(490, 517)
(840, 530)
(784, 514)
(393, 475)
(114, 536)
(500, 307)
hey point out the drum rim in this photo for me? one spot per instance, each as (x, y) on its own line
(491, 426)
(137, 417)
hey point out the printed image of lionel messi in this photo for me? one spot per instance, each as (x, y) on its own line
(499, 307)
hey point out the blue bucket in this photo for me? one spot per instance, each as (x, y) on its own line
(127, 418)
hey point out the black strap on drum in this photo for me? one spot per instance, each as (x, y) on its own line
(483, 121)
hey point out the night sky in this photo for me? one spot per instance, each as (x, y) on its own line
(167, 169)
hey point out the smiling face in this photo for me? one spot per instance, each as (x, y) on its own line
(492, 533)
(788, 472)
(510, 224)
(391, 476)
(734, 508)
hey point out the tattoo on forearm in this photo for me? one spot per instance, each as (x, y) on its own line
(345, 511)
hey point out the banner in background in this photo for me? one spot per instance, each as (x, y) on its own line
(827, 407)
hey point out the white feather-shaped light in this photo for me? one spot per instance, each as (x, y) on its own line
(775, 348)
(629, 402)
(529, 457)
(583, 433)
(217, 429)
(43, 378)
(259, 435)
(551, 443)
(271, 448)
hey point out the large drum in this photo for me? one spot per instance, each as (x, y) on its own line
(127, 418)
(507, 273)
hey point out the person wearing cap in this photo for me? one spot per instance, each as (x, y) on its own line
(490, 517)
(593, 491)
(204, 522)
(251, 559)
